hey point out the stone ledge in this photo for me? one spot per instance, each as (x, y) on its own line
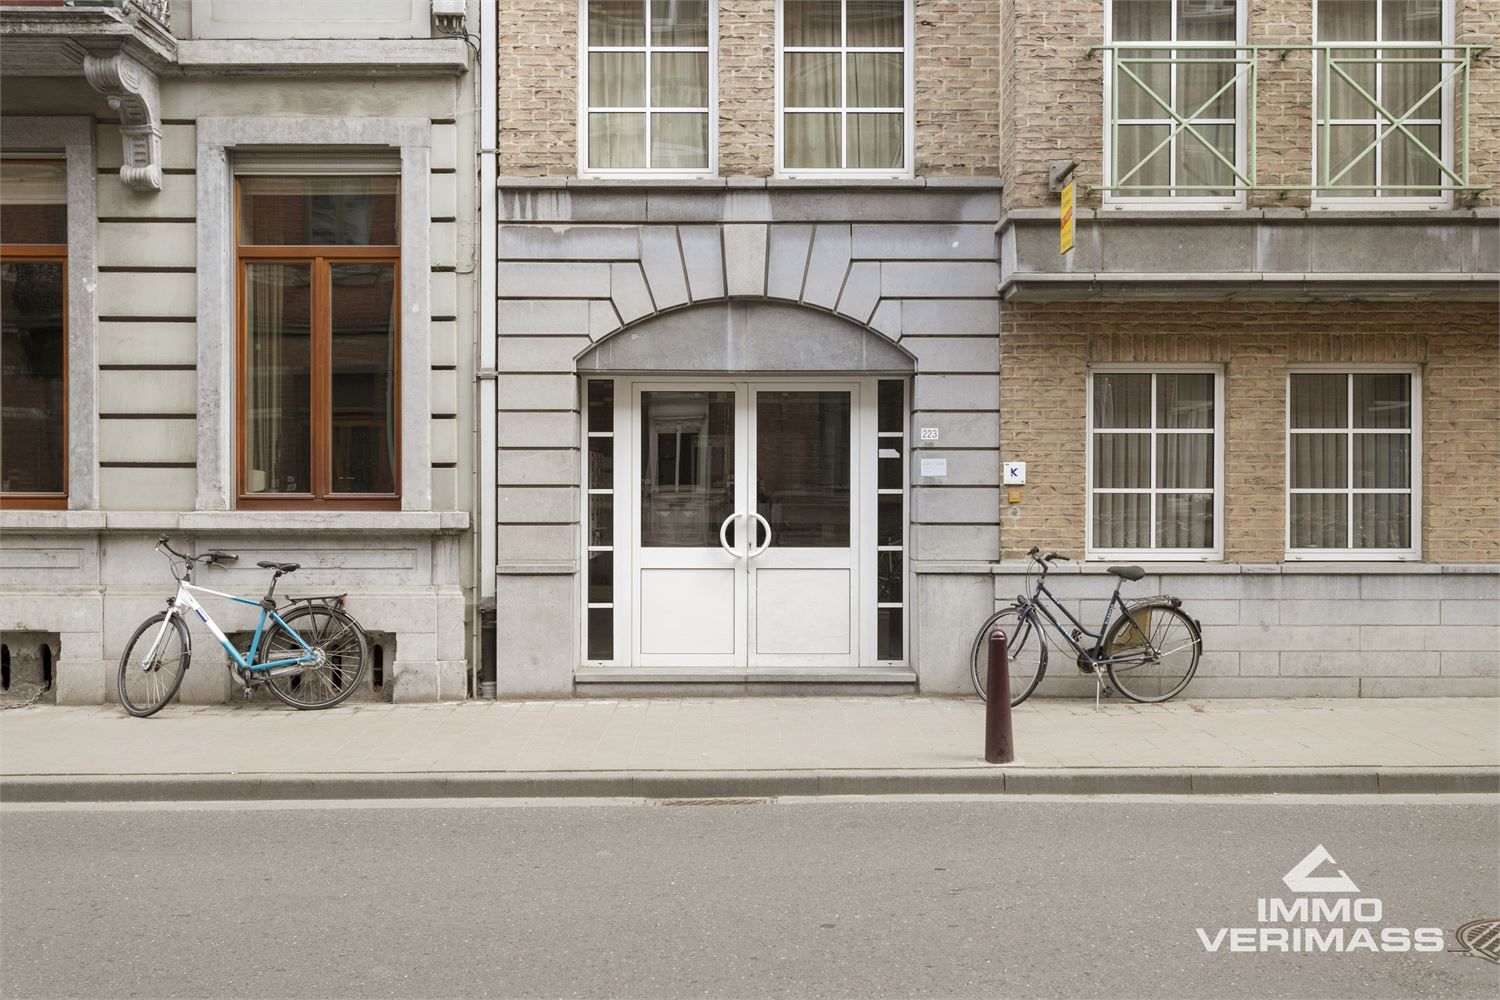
(382, 57)
(262, 521)
(772, 675)
(1099, 568)
(520, 182)
(1339, 216)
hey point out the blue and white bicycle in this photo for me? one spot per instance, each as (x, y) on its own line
(309, 651)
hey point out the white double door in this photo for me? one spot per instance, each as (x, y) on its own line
(747, 523)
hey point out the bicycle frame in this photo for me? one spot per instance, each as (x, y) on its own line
(1033, 603)
(185, 601)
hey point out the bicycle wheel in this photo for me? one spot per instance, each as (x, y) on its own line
(1026, 654)
(1158, 669)
(342, 651)
(144, 687)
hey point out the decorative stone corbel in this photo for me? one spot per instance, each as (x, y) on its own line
(133, 91)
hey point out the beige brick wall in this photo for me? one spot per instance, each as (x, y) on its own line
(1046, 350)
(1055, 101)
(538, 88)
(747, 88)
(957, 79)
(956, 84)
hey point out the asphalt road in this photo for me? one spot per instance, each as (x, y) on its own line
(983, 898)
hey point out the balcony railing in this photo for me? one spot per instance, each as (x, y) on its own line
(1388, 119)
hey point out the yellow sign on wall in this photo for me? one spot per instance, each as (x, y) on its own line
(1065, 235)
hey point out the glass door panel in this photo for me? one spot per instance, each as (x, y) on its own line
(687, 464)
(802, 468)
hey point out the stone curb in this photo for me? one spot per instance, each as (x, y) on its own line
(748, 784)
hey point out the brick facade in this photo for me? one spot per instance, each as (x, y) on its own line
(538, 88)
(1054, 97)
(956, 61)
(1046, 351)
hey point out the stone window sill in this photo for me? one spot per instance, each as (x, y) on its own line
(446, 522)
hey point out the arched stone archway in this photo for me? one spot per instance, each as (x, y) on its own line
(746, 336)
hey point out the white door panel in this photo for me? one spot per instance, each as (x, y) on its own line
(692, 612)
(802, 612)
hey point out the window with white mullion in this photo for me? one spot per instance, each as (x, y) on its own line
(1153, 471)
(843, 85)
(648, 87)
(1351, 462)
(599, 520)
(1195, 42)
(1352, 134)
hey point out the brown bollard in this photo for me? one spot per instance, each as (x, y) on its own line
(999, 746)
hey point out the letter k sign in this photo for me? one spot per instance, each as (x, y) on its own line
(1300, 878)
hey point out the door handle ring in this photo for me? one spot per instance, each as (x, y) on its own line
(757, 551)
(724, 533)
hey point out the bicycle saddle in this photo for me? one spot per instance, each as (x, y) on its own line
(1128, 572)
(279, 567)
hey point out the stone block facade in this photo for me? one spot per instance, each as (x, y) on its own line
(154, 337)
(584, 267)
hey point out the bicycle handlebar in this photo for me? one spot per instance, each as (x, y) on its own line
(212, 557)
(1049, 557)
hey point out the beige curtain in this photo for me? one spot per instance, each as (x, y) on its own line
(263, 420)
(1123, 440)
(1320, 460)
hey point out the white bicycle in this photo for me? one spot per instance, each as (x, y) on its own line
(310, 652)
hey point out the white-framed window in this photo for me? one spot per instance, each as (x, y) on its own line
(1175, 107)
(844, 87)
(648, 93)
(1353, 475)
(1155, 462)
(1382, 115)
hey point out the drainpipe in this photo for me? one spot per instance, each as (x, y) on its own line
(487, 411)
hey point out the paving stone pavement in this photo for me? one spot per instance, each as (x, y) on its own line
(748, 735)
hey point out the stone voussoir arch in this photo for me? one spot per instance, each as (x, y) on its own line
(746, 335)
(809, 266)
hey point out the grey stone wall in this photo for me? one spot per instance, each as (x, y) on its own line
(1333, 631)
(580, 261)
(88, 574)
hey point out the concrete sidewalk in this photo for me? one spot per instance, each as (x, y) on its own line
(747, 747)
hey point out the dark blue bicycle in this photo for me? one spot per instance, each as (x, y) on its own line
(1149, 652)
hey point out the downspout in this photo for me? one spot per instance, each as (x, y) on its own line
(487, 411)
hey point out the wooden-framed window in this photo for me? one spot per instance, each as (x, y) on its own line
(319, 341)
(33, 333)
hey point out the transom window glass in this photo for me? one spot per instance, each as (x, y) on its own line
(1174, 129)
(843, 85)
(648, 69)
(1351, 470)
(1380, 110)
(33, 332)
(1154, 469)
(319, 318)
